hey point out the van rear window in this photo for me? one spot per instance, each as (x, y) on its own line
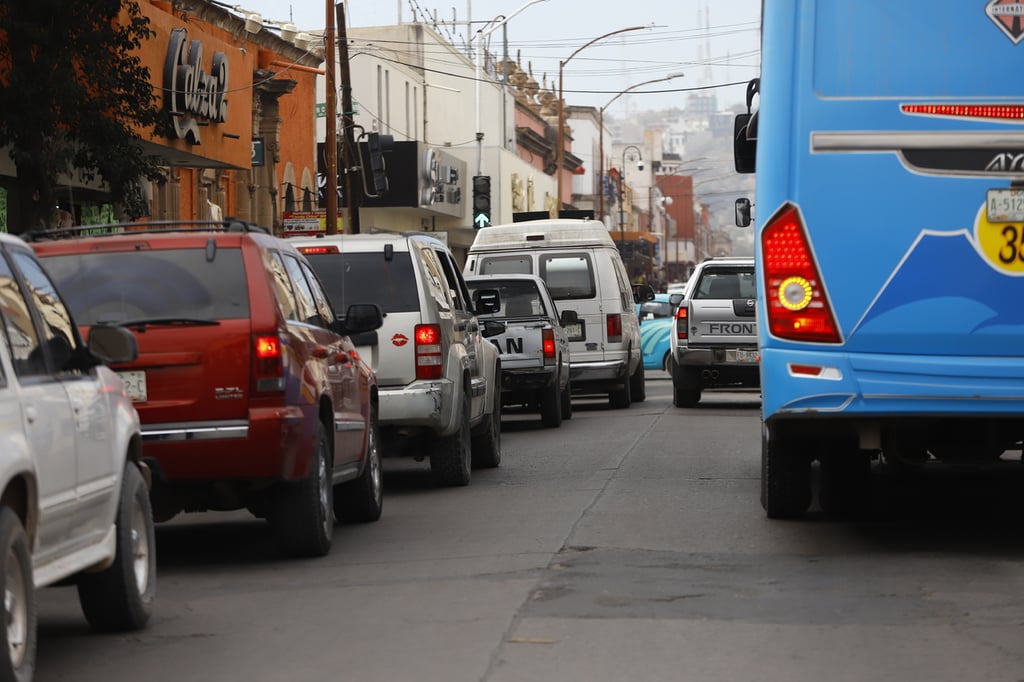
(122, 286)
(568, 275)
(368, 277)
(506, 265)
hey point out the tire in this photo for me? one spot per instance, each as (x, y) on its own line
(551, 405)
(666, 362)
(19, 604)
(638, 384)
(622, 398)
(120, 598)
(685, 387)
(362, 500)
(450, 458)
(844, 483)
(785, 478)
(302, 514)
(486, 439)
(567, 401)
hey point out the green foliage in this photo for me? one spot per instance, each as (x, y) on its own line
(72, 90)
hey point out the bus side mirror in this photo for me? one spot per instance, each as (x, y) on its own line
(743, 212)
(744, 143)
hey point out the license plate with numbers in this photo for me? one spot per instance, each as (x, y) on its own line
(135, 383)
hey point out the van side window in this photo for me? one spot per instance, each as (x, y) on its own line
(506, 265)
(569, 275)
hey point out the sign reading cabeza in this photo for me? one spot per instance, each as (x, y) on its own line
(192, 93)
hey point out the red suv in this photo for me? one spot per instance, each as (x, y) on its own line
(249, 389)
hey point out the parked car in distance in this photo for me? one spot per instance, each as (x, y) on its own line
(533, 344)
(657, 322)
(440, 390)
(74, 495)
(250, 392)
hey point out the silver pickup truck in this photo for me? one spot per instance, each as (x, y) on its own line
(714, 343)
(533, 348)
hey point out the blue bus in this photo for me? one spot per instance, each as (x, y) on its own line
(888, 144)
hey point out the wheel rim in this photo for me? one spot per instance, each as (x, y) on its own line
(16, 611)
(140, 548)
(324, 486)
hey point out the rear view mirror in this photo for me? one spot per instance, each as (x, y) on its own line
(743, 212)
(744, 147)
(112, 344)
(675, 299)
(642, 292)
(486, 301)
(360, 317)
(489, 328)
(568, 317)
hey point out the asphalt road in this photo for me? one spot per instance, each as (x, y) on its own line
(624, 545)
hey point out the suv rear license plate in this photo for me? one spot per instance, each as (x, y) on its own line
(575, 331)
(135, 383)
(1005, 205)
(742, 355)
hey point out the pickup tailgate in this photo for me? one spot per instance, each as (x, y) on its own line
(522, 343)
(722, 323)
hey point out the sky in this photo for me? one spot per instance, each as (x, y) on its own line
(711, 44)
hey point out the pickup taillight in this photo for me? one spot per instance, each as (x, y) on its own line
(548, 337)
(614, 323)
(429, 351)
(682, 319)
(267, 364)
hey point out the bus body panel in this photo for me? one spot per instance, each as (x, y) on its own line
(928, 295)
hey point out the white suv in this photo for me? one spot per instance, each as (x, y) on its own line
(438, 379)
(74, 495)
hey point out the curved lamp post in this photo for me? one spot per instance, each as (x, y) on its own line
(622, 179)
(560, 149)
(600, 135)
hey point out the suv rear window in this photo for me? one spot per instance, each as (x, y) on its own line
(117, 287)
(368, 278)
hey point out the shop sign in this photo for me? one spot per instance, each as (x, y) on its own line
(297, 223)
(194, 97)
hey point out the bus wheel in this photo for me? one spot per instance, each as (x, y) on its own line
(785, 477)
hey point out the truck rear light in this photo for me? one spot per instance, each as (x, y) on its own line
(798, 306)
(614, 324)
(682, 319)
(548, 337)
(429, 351)
(268, 364)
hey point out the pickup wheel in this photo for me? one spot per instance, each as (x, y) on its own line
(121, 597)
(486, 440)
(450, 458)
(785, 477)
(302, 513)
(362, 500)
(567, 400)
(638, 384)
(551, 405)
(19, 604)
(685, 387)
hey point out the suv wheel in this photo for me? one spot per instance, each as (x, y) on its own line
(450, 459)
(121, 597)
(19, 604)
(303, 512)
(486, 441)
(362, 500)
(551, 405)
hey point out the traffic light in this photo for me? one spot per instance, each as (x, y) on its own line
(377, 145)
(481, 201)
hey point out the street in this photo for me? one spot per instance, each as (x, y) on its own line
(624, 545)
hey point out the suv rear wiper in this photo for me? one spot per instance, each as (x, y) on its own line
(163, 321)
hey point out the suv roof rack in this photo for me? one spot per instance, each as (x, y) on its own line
(148, 227)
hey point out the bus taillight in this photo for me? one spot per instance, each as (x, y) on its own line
(797, 306)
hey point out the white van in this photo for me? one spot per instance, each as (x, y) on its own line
(584, 272)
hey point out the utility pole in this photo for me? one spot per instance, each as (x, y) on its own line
(331, 136)
(353, 167)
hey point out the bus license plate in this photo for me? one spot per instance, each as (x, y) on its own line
(135, 383)
(1005, 205)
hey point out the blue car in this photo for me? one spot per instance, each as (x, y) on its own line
(657, 320)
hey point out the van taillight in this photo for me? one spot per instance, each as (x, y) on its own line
(548, 337)
(268, 364)
(429, 358)
(682, 319)
(614, 323)
(798, 308)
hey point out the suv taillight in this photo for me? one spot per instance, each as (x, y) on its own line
(614, 324)
(429, 357)
(798, 308)
(267, 364)
(548, 339)
(682, 319)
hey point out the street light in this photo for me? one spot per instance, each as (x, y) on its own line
(488, 29)
(600, 134)
(560, 150)
(622, 208)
